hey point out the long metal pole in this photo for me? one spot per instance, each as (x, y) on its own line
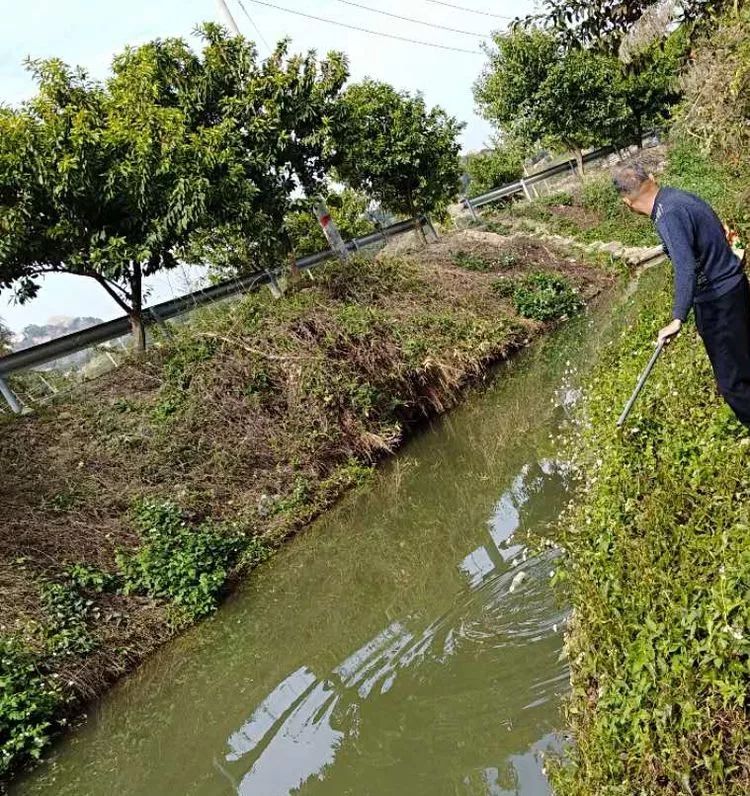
(228, 18)
(641, 382)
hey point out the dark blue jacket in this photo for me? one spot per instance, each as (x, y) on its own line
(705, 267)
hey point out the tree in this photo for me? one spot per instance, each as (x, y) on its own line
(650, 82)
(114, 181)
(285, 110)
(603, 25)
(492, 168)
(390, 147)
(538, 91)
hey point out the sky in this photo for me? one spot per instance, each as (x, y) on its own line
(90, 32)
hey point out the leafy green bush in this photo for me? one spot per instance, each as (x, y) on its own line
(28, 701)
(546, 297)
(66, 619)
(178, 562)
(658, 567)
(600, 194)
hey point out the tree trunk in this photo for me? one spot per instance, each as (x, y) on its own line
(578, 152)
(420, 230)
(417, 222)
(138, 330)
(136, 313)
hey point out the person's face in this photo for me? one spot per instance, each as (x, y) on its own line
(632, 204)
(642, 202)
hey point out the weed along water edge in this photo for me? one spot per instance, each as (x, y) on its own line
(393, 648)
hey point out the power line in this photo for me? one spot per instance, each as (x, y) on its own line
(252, 22)
(469, 10)
(415, 21)
(365, 30)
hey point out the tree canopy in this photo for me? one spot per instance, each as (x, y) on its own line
(537, 89)
(493, 167)
(603, 24)
(112, 181)
(395, 150)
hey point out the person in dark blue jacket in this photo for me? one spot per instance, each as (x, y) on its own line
(708, 277)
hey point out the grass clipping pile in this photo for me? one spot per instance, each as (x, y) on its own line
(658, 572)
(127, 509)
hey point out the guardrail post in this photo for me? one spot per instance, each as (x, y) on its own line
(161, 323)
(10, 397)
(274, 286)
(526, 191)
(433, 231)
(473, 212)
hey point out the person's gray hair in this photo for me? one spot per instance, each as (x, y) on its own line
(629, 178)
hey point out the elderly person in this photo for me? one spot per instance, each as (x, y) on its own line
(708, 276)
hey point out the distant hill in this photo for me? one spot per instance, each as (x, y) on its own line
(56, 326)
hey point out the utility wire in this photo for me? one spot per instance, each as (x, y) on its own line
(252, 22)
(469, 10)
(415, 21)
(365, 30)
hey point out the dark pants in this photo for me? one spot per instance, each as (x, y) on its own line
(724, 325)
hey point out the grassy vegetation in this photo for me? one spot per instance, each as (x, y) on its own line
(133, 503)
(593, 212)
(658, 568)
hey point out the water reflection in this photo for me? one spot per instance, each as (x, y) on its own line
(297, 731)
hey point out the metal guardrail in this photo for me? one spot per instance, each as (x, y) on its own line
(158, 313)
(521, 186)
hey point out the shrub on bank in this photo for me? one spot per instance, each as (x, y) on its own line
(546, 297)
(28, 700)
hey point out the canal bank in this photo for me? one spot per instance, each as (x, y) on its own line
(395, 647)
(134, 505)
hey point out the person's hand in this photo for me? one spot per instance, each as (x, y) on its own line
(668, 332)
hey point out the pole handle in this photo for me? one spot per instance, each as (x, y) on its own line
(641, 383)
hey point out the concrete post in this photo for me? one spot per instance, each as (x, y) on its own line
(330, 230)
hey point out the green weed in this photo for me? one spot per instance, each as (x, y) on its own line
(546, 297)
(472, 262)
(67, 613)
(657, 570)
(178, 562)
(29, 700)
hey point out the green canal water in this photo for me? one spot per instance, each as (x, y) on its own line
(382, 652)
